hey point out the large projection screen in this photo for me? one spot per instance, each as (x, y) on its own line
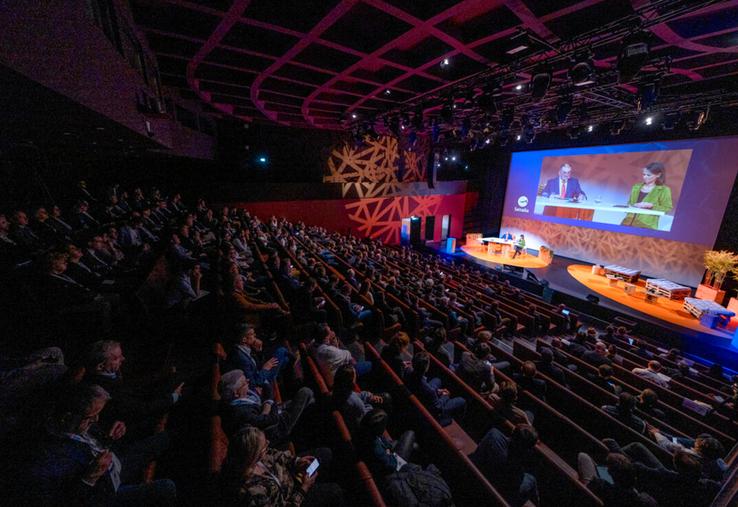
(653, 206)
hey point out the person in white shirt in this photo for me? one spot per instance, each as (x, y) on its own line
(653, 374)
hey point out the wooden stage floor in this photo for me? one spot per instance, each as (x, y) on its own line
(527, 261)
(664, 309)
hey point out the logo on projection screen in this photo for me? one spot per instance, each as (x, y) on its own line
(522, 206)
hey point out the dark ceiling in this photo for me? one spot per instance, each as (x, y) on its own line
(312, 63)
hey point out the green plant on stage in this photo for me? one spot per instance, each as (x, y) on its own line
(719, 263)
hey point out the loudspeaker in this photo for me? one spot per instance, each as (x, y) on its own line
(593, 299)
(434, 158)
(430, 227)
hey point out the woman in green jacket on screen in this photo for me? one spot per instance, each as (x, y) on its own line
(651, 194)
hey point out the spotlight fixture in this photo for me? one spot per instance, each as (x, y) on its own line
(445, 62)
(670, 120)
(507, 118)
(447, 110)
(590, 128)
(648, 120)
(582, 72)
(695, 119)
(487, 141)
(633, 56)
(518, 137)
(648, 94)
(564, 108)
(354, 116)
(540, 82)
(519, 87)
(616, 127)
(388, 92)
(574, 132)
(453, 158)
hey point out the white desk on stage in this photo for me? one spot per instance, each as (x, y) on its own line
(498, 246)
(588, 210)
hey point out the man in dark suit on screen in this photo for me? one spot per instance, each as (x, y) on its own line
(563, 186)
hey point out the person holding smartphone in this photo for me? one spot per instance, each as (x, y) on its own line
(263, 476)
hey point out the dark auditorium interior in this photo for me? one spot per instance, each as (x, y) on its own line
(402, 253)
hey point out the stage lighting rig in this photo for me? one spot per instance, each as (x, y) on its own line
(648, 93)
(582, 70)
(695, 119)
(616, 127)
(506, 119)
(540, 82)
(564, 108)
(670, 120)
(633, 55)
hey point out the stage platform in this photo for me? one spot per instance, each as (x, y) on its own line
(526, 261)
(662, 308)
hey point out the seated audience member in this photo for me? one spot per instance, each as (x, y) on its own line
(184, 288)
(476, 370)
(44, 230)
(617, 490)
(79, 463)
(716, 371)
(395, 353)
(639, 348)
(308, 305)
(431, 394)
(508, 462)
(242, 406)
(81, 218)
(96, 258)
(547, 367)
(708, 450)
(438, 344)
(604, 379)
(506, 406)
(240, 306)
(263, 476)
(23, 234)
(103, 363)
(648, 402)
(598, 356)
(80, 272)
(527, 380)
(27, 385)
(623, 411)
(242, 356)
(540, 322)
(382, 454)
(331, 356)
(577, 346)
(653, 374)
(684, 486)
(61, 226)
(353, 404)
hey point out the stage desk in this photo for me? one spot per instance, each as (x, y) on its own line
(567, 208)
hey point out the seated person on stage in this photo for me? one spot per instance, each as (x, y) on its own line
(507, 236)
(563, 186)
(519, 246)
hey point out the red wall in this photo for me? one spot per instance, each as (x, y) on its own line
(378, 218)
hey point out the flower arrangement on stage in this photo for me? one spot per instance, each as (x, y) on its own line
(719, 263)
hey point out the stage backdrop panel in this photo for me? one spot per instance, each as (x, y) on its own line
(675, 260)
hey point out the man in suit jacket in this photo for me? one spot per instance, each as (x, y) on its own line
(132, 406)
(563, 186)
(76, 463)
(241, 357)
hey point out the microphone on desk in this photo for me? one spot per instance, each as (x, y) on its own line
(578, 194)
